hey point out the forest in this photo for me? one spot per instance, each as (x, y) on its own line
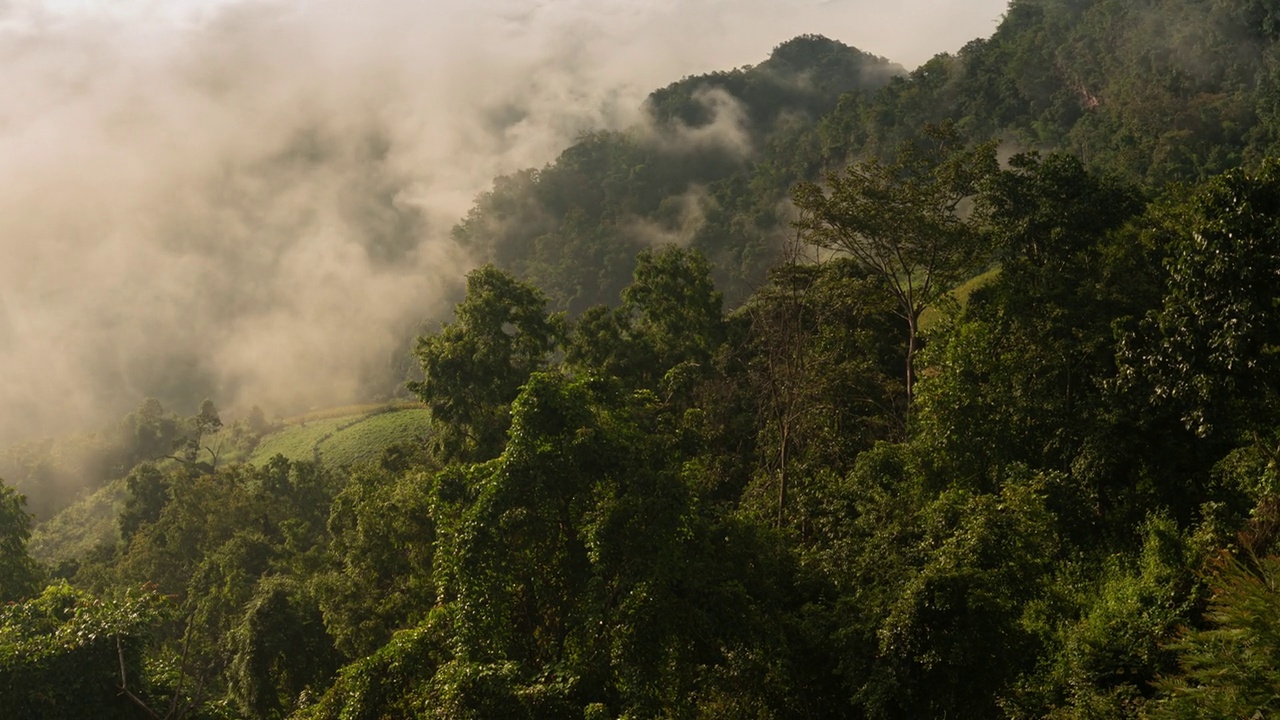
(834, 390)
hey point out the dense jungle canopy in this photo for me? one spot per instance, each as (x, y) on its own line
(833, 390)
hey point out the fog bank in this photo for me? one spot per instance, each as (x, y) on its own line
(251, 200)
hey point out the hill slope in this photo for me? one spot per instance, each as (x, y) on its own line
(1156, 92)
(338, 438)
(345, 440)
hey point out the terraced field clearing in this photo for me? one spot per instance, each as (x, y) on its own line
(299, 442)
(345, 439)
(364, 441)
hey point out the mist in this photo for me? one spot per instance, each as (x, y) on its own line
(251, 201)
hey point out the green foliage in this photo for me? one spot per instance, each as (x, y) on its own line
(983, 558)
(1112, 633)
(805, 75)
(670, 321)
(930, 585)
(675, 310)
(1170, 91)
(1211, 349)
(91, 522)
(67, 655)
(155, 432)
(383, 533)
(474, 367)
(821, 358)
(1167, 91)
(394, 681)
(148, 493)
(1229, 669)
(1026, 372)
(19, 574)
(658, 510)
(280, 650)
(575, 571)
(50, 472)
(215, 540)
(55, 473)
(709, 169)
(1049, 212)
(901, 221)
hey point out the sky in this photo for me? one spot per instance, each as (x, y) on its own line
(908, 32)
(251, 199)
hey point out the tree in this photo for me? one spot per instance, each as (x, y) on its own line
(671, 316)
(207, 420)
(149, 493)
(187, 446)
(280, 650)
(66, 654)
(904, 221)
(1017, 374)
(1107, 635)
(984, 557)
(1232, 668)
(585, 574)
(821, 349)
(19, 574)
(1049, 213)
(155, 432)
(675, 307)
(474, 367)
(1213, 349)
(383, 534)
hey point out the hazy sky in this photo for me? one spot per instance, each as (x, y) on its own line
(908, 32)
(254, 197)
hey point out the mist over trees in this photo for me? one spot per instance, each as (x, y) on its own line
(823, 390)
(213, 191)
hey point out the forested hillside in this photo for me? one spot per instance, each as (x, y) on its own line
(1154, 92)
(832, 391)
(710, 169)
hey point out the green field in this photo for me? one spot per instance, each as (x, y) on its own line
(960, 294)
(298, 442)
(345, 412)
(347, 439)
(364, 441)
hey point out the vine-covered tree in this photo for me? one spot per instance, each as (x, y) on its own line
(474, 367)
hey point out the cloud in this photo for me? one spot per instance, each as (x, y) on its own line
(726, 129)
(251, 199)
(681, 216)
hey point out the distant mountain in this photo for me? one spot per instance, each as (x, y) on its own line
(718, 155)
(1171, 90)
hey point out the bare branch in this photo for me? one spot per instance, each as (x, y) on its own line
(124, 683)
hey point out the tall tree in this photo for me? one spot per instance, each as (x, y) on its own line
(670, 317)
(822, 347)
(1213, 349)
(18, 572)
(474, 367)
(148, 494)
(904, 221)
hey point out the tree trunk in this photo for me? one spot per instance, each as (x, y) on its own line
(913, 330)
(782, 477)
